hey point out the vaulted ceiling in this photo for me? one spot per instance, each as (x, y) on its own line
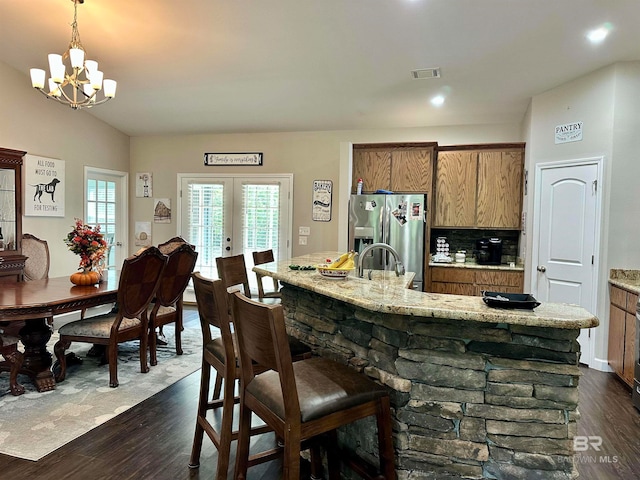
(214, 66)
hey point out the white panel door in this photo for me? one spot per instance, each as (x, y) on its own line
(565, 271)
(106, 205)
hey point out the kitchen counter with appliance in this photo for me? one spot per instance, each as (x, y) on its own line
(471, 264)
(472, 387)
(389, 294)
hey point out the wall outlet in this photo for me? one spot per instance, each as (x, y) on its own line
(304, 230)
(302, 240)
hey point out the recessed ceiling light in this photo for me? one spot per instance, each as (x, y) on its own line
(437, 101)
(597, 35)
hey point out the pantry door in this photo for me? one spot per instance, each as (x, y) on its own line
(225, 215)
(566, 253)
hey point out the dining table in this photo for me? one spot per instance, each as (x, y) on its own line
(33, 302)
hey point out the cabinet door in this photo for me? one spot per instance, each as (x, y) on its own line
(499, 189)
(501, 279)
(616, 338)
(412, 170)
(629, 348)
(456, 178)
(618, 297)
(374, 167)
(454, 288)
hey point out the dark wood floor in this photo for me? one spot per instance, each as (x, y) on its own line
(153, 439)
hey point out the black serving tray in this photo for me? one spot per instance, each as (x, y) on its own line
(509, 300)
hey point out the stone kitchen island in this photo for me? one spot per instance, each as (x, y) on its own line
(476, 392)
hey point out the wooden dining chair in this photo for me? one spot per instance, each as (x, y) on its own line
(303, 399)
(259, 258)
(13, 357)
(167, 304)
(139, 280)
(218, 353)
(233, 273)
(36, 266)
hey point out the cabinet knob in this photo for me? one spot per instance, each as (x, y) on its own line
(542, 268)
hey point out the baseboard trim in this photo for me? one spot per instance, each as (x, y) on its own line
(600, 365)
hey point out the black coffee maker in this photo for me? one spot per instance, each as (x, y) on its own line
(489, 251)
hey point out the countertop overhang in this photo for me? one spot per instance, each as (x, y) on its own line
(387, 293)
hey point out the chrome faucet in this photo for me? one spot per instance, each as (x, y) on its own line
(398, 267)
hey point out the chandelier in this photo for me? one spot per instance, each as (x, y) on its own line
(79, 86)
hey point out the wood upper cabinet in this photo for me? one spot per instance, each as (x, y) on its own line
(622, 333)
(499, 189)
(412, 170)
(399, 168)
(456, 183)
(479, 188)
(374, 167)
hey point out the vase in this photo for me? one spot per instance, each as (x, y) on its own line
(86, 277)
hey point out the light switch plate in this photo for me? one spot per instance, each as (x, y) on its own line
(302, 240)
(304, 230)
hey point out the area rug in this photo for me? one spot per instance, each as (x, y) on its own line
(35, 424)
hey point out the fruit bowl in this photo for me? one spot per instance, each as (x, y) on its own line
(335, 273)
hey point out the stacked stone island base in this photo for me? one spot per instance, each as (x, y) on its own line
(471, 397)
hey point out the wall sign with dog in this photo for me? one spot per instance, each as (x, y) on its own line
(44, 186)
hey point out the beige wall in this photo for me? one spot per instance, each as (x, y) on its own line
(307, 155)
(607, 102)
(42, 127)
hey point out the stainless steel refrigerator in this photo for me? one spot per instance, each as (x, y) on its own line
(398, 220)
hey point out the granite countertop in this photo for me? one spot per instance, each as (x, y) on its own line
(627, 279)
(473, 264)
(388, 293)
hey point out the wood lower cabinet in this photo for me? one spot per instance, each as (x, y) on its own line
(472, 281)
(622, 332)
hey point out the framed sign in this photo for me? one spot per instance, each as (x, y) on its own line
(322, 200)
(44, 187)
(144, 184)
(230, 159)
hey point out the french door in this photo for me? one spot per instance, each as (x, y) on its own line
(224, 215)
(106, 205)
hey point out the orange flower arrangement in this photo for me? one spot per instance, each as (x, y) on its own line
(87, 242)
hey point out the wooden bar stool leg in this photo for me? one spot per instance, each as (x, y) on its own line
(217, 388)
(291, 455)
(226, 431)
(385, 439)
(194, 461)
(333, 455)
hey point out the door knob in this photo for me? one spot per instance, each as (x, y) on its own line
(228, 248)
(118, 244)
(542, 268)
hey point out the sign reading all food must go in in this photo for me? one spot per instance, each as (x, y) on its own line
(44, 187)
(322, 200)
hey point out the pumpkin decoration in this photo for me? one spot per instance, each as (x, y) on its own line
(85, 277)
(88, 242)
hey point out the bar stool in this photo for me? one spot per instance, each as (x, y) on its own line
(303, 399)
(220, 354)
(259, 258)
(233, 272)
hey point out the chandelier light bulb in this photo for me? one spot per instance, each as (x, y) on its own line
(37, 77)
(78, 86)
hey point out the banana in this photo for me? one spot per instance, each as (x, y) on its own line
(343, 258)
(345, 262)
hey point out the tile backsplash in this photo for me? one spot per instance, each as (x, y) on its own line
(465, 239)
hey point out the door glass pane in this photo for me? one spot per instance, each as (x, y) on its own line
(260, 219)
(206, 224)
(101, 208)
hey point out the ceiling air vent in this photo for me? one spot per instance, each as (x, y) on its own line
(426, 73)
